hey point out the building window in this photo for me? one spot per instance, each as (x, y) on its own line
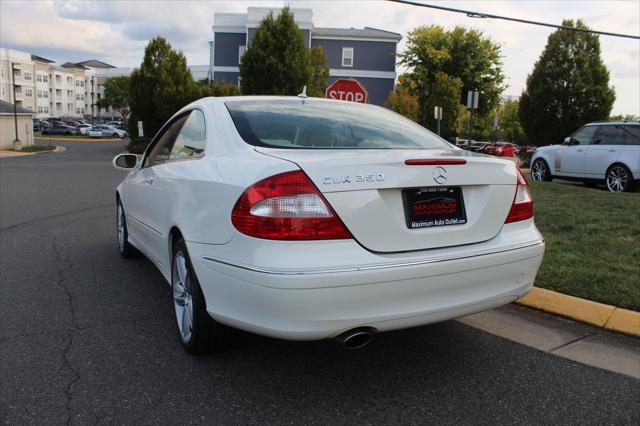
(39, 93)
(17, 73)
(241, 50)
(46, 110)
(347, 56)
(27, 76)
(28, 93)
(45, 78)
(82, 97)
(29, 107)
(38, 77)
(45, 94)
(40, 110)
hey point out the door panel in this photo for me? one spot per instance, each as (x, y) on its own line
(569, 159)
(604, 150)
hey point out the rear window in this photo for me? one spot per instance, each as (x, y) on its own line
(309, 124)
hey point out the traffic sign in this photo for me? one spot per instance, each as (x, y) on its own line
(347, 90)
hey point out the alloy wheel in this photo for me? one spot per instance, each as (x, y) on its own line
(182, 295)
(538, 171)
(121, 229)
(617, 179)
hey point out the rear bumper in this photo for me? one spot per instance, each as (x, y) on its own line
(309, 304)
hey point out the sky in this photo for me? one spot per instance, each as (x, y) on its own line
(116, 31)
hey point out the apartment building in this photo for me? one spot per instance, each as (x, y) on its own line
(50, 90)
(365, 54)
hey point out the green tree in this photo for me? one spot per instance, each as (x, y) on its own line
(161, 86)
(216, 88)
(319, 80)
(401, 100)
(440, 60)
(569, 86)
(277, 62)
(445, 93)
(510, 127)
(626, 117)
(116, 95)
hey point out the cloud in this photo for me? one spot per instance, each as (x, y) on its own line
(117, 31)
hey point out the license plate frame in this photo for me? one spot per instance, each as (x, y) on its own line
(434, 206)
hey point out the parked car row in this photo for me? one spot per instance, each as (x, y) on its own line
(499, 149)
(70, 127)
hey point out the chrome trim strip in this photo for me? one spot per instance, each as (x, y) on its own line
(372, 267)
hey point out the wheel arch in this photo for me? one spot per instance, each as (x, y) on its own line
(174, 235)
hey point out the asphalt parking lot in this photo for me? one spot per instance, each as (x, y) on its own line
(88, 338)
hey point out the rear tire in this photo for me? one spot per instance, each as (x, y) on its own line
(619, 179)
(198, 332)
(540, 171)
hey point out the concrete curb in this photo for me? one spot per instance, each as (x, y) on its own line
(594, 313)
(44, 138)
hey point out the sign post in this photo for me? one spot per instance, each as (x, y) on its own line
(347, 90)
(140, 130)
(473, 97)
(437, 114)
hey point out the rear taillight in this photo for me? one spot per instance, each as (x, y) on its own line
(287, 206)
(522, 207)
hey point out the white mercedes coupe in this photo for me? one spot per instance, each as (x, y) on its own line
(303, 219)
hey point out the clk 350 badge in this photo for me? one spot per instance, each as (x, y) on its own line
(377, 177)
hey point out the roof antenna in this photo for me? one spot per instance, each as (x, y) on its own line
(303, 95)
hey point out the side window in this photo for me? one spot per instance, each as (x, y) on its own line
(584, 135)
(192, 138)
(608, 135)
(162, 149)
(631, 135)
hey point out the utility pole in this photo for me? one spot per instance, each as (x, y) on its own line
(17, 145)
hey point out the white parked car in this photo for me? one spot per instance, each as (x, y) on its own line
(111, 131)
(83, 129)
(310, 219)
(607, 152)
(94, 132)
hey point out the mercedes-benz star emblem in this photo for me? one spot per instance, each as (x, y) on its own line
(440, 175)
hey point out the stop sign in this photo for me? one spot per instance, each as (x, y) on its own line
(347, 90)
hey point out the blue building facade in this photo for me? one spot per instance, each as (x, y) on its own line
(367, 55)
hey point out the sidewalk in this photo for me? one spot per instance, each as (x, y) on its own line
(562, 337)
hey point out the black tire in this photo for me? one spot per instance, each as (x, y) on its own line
(205, 334)
(540, 171)
(624, 179)
(125, 249)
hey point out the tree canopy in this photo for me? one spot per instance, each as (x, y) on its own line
(319, 72)
(444, 65)
(277, 61)
(568, 87)
(116, 95)
(161, 86)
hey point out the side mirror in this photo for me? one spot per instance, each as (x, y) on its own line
(567, 141)
(125, 161)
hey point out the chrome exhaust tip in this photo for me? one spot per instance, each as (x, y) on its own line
(355, 339)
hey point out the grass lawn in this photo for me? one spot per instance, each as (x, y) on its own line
(592, 242)
(38, 148)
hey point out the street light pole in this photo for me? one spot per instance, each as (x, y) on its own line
(17, 145)
(92, 90)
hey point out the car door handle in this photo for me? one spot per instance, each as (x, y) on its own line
(148, 180)
(612, 150)
(579, 150)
